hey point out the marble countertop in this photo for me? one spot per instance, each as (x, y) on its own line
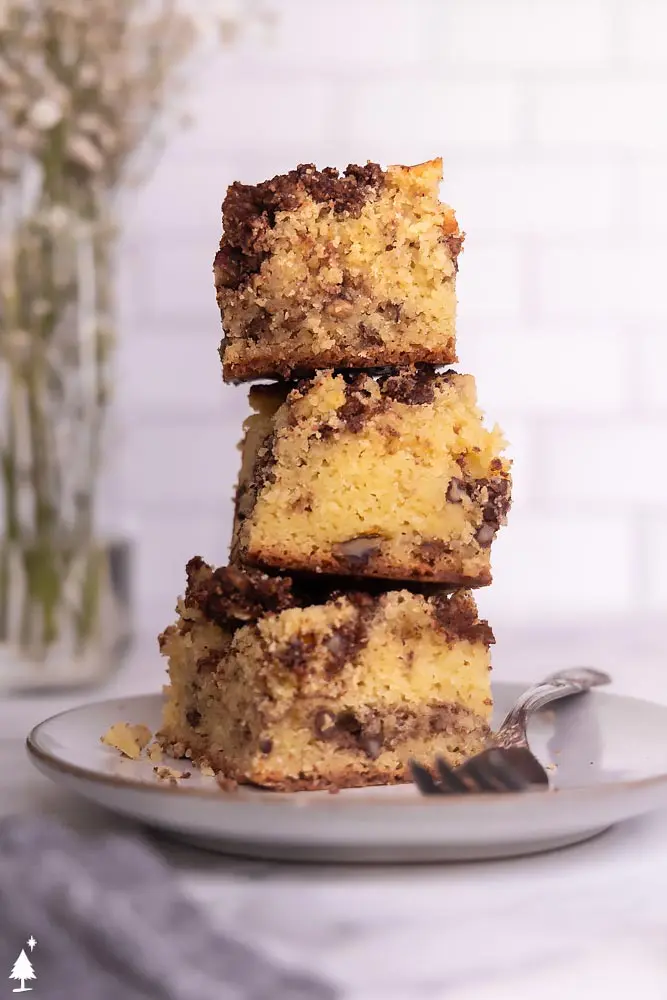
(427, 931)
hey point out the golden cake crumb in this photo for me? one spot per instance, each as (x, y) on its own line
(154, 751)
(129, 739)
(170, 774)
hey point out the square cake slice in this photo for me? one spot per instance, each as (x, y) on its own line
(395, 477)
(318, 269)
(290, 686)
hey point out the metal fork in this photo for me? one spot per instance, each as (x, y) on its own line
(509, 765)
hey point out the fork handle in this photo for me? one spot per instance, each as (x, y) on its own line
(512, 732)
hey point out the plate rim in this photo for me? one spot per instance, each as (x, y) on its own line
(298, 800)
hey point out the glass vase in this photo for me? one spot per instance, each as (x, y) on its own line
(63, 613)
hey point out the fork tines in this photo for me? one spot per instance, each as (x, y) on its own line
(490, 772)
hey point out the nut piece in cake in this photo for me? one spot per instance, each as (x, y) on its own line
(332, 694)
(321, 270)
(395, 478)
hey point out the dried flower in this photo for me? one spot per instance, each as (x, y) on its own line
(45, 113)
(15, 347)
(40, 307)
(84, 152)
(88, 75)
(108, 72)
(54, 217)
(9, 78)
(89, 90)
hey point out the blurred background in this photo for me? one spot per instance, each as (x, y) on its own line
(550, 117)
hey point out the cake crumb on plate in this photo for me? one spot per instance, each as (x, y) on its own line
(154, 751)
(170, 774)
(129, 739)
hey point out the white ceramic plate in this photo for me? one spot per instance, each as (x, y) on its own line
(607, 757)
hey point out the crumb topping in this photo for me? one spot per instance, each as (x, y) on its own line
(456, 615)
(415, 387)
(231, 596)
(341, 645)
(249, 211)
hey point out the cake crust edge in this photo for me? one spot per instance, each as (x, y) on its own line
(374, 567)
(291, 365)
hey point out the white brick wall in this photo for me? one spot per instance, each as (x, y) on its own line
(557, 565)
(550, 115)
(520, 35)
(642, 34)
(654, 536)
(585, 467)
(489, 285)
(620, 114)
(333, 47)
(501, 194)
(650, 356)
(533, 378)
(432, 112)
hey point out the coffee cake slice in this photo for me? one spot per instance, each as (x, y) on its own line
(318, 269)
(291, 686)
(395, 477)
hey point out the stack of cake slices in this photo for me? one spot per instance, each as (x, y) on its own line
(343, 637)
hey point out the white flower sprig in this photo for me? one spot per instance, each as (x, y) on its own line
(96, 80)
